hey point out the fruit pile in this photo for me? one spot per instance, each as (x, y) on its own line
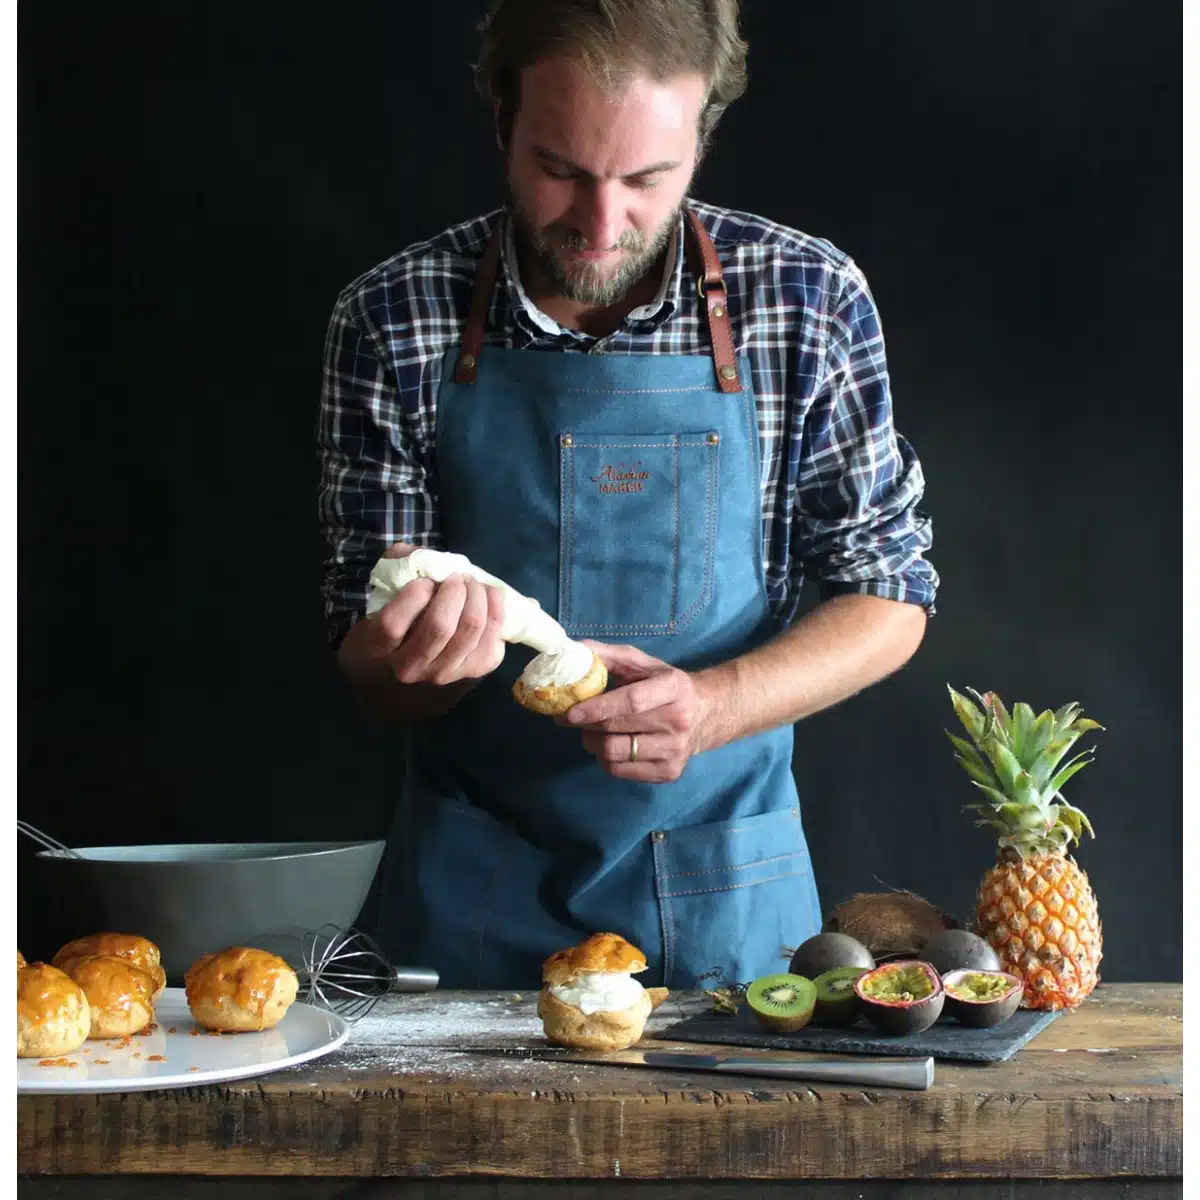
(902, 963)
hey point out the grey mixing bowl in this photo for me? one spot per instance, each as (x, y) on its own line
(192, 899)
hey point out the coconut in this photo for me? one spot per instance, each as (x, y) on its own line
(891, 925)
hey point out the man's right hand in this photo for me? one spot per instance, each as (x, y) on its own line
(438, 634)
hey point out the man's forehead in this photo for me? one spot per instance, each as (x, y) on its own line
(562, 94)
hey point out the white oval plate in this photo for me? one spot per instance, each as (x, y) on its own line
(179, 1054)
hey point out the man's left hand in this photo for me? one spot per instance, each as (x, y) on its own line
(651, 723)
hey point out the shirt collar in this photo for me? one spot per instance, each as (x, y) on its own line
(651, 315)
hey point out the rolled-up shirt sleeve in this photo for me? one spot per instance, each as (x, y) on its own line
(376, 478)
(857, 521)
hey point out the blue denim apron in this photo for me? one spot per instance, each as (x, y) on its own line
(623, 492)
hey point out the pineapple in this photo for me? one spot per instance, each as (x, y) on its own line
(1035, 905)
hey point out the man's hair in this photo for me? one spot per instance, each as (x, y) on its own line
(612, 39)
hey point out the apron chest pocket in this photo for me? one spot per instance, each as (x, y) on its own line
(739, 892)
(638, 517)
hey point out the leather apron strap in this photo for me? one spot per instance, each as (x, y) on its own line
(710, 283)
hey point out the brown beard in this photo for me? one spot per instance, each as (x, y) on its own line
(584, 283)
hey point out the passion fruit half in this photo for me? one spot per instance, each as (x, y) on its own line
(837, 1005)
(959, 948)
(981, 998)
(901, 997)
(826, 951)
(782, 1003)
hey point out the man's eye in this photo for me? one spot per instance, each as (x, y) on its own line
(644, 183)
(558, 173)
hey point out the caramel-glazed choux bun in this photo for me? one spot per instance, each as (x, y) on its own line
(553, 700)
(240, 990)
(138, 950)
(52, 1012)
(20, 960)
(589, 997)
(120, 994)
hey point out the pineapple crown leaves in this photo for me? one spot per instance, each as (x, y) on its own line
(1016, 760)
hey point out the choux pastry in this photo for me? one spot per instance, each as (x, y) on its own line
(554, 699)
(240, 990)
(561, 674)
(138, 950)
(589, 997)
(52, 1012)
(119, 994)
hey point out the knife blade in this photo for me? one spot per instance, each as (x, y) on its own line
(915, 1074)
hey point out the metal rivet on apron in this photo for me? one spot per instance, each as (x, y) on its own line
(567, 440)
(468, 361)
(713, 438)
(718, 310)
(659, 836)
(729, 372)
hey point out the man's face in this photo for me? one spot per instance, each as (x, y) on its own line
(595, 179)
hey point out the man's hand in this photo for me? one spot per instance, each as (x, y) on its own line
(432, 633)
(666, 712)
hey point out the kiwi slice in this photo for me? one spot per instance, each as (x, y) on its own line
(837, 1002)
(782, 1003)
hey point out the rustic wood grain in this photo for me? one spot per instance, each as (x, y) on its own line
(441, 1086)
(154, 1187)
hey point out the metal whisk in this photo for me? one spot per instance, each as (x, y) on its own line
(344, 971)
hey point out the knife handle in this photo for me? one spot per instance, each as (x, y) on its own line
(913, 1073)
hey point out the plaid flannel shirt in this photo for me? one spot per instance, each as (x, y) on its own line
(840, 488)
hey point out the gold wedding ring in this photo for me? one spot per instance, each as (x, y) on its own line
(633, 747)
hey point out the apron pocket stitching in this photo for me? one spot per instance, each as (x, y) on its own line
(705, 596)
(675, 572)
(664, 908)
(758, 862)
(733, 887)
(566, 514)
(607, 391)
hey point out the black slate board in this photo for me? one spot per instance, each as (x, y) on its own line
(946, 1039)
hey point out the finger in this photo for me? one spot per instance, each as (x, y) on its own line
(650, 771)
(629, 700)
(431, 631)
(399, 550)
(618, 748)
(624, 659)
(489, 652)
(464, 641)
(392, 624)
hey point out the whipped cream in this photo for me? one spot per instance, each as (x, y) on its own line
(558, 668)
(599, 991)
(560, 661)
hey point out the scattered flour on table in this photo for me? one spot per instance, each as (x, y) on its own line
(435, 1037)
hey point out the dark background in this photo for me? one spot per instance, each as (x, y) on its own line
(197, 182)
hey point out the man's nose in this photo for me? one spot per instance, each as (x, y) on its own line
(601, 219)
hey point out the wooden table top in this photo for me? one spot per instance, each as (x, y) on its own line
(440, 1085)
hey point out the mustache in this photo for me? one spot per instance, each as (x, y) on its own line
(572, 239)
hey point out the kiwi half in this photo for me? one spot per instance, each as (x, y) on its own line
(837, 1002)
(782, 1003)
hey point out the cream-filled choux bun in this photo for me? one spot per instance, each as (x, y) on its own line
(240, 990)
(140, 951)
(53, 1017)
(120, 994)
(538, 690)
(590, 998)
(560, 675)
